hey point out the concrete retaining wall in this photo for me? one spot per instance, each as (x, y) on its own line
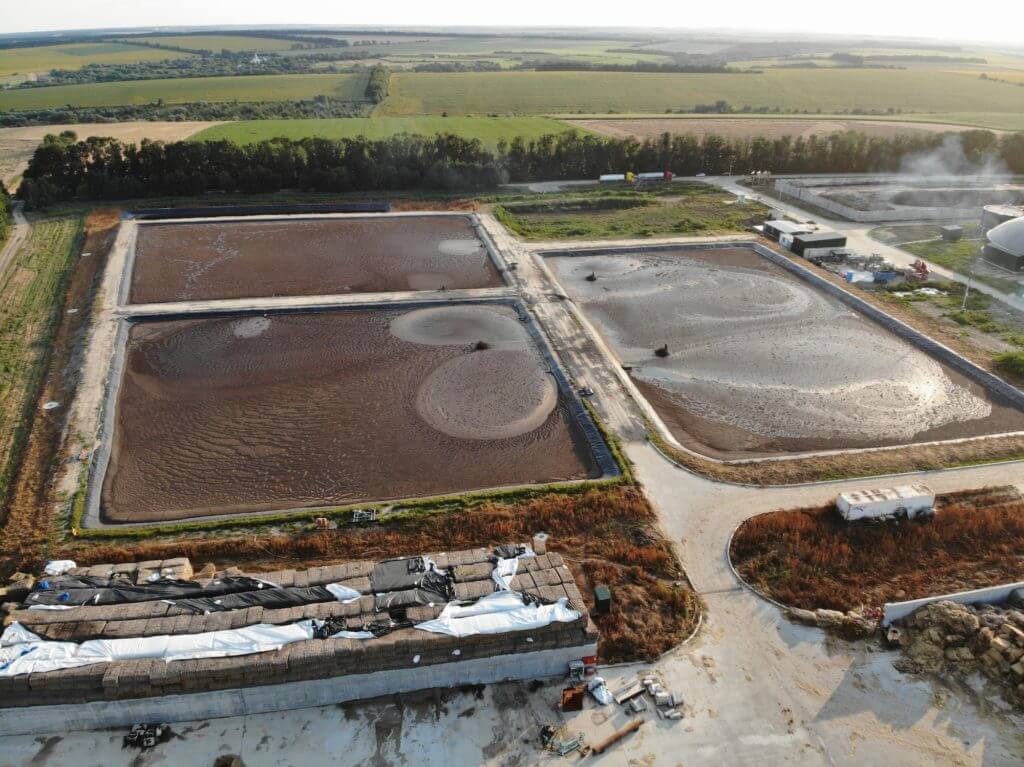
(804, 194)
(283, 697)
(894, 611)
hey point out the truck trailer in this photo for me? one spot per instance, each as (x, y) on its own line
(895, 503)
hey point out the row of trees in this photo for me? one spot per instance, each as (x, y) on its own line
(320, 106)
(225, 64)
(378, 84)
(5, 212)
(64, 168)
(102, 168)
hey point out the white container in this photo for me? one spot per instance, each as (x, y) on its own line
(904, 502)
(540, 544)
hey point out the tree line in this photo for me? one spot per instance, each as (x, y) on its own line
(64, 168)
(5, 212)
(378, 84)
(224, 64)
(319, 106)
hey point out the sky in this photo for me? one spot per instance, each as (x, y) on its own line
(996, 21)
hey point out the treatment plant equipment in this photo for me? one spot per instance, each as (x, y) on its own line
(1005, 245)
(897, 503)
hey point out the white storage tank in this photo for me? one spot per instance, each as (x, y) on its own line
(904, 502)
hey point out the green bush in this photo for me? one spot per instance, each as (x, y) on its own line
(1011, 362)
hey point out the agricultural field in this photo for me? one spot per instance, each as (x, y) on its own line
(488, 129)
(677, 210)
(218, 43)
(754, 126)
(76, 55)
(610, 92)
(347, 87)
(32, 288)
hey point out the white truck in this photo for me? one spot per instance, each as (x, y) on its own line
(898, 503)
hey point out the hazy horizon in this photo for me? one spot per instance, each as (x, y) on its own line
(872, 18)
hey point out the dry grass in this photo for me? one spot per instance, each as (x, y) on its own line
(607, 536)
(27, 531)
(810, 558)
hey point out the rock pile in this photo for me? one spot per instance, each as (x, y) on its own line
(947, 637)
(851, 625)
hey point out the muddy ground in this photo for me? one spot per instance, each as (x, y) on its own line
(242, 414)
(202, 261)
(760, 363)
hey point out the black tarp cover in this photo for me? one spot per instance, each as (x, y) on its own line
(272, 598)
(78, 591)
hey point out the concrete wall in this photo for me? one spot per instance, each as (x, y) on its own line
(871, 216)
(894, 611)
(282, 697)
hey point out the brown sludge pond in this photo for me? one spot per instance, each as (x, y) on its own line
(251, 413)
(307, 257)
(760, 362)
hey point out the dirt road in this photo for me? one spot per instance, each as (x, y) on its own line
(19, 232)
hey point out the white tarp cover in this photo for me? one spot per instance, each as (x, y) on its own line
(22, 652)
(498, 613)
(59, 566)
(504, 572)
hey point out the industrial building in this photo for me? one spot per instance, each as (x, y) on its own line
(784, 231)
(809, 244)
(1005, 246)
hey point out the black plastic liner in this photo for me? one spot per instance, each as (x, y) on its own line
(78, 591)
(294, 596)
(407, 582)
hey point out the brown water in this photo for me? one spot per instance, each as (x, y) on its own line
(760, 362)
(307, 257)
(243, 414)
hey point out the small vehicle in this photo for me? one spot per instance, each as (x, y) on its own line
(586, 391)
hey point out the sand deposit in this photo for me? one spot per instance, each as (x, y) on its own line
(760, 362)
(308, 257)
(241, 414)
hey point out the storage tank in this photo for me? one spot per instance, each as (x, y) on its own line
(994, 215)
(1005, 246)
(904, 502)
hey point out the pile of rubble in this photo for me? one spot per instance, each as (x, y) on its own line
(947, 637)
(851, 625)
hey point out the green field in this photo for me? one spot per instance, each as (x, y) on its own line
(348, 87)
(75, 56)
(218, 43)
(32, 287)
(673, 210)
(488, 129)
(801, 90)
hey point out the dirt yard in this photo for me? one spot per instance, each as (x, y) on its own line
(178, 262)
(18, 144)
(252, 413)
(739, 127)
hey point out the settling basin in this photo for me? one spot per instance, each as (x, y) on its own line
(760, 362)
